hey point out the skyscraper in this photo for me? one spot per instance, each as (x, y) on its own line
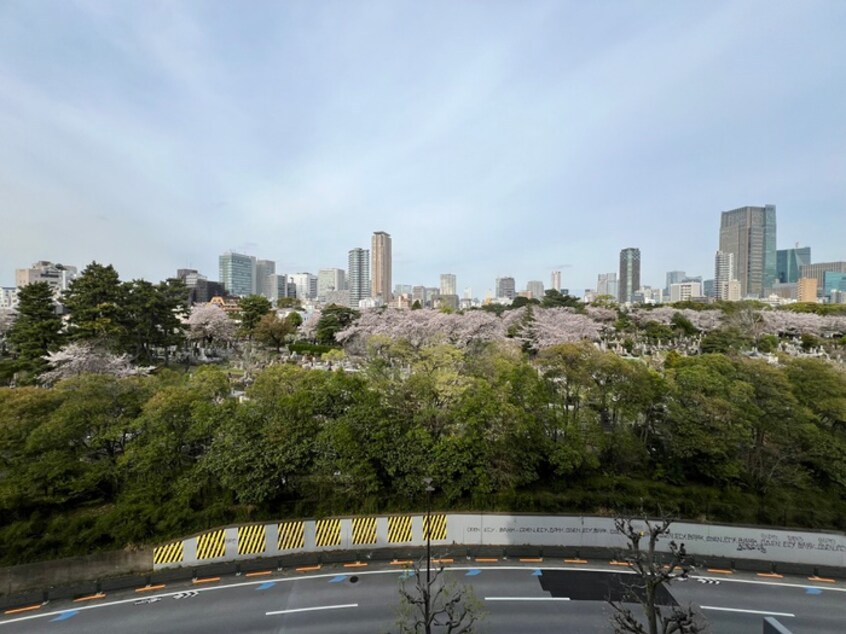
(264, 283)
(556, 280)
(750, 234)
(448, 286)
(789, 263)
(306, 284)
(629, 280)
(381, 267)
(505, 287)
(606, 284)
(359, 275)
(238, 273)
(535, 289)
(674, 277)
(724, 274)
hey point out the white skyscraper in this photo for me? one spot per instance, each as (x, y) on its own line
(265, 269)
(535, 289)
(329, 280)
(359, 275)
(448, 284)
(306, 284)
(556, 280)
(724, 274)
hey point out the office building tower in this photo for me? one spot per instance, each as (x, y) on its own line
(381, 266)
(807, 289)
(200, 289)
(674, 277)
(57, 276)
(264, 282)
(506, 287)
(535, 289)
(629, 280)
(330, 280)
(789, 263)
(306, 284)
(750, 234)
(358, 279)
(606, 284)
(238, 273)
(819, 269)
(556, 281)
(685, 291)
(418, 294)
(448, 285)
(402, 289)
(468, 293)
(833, 282)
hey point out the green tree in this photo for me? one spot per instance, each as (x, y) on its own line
(416, 305)
(272, 331)
(250, 311)
(288, 302)
(36, 331)
(332, 320)
(96, 302)
(553, 298)
(151, 318)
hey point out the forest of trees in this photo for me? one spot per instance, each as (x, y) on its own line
(106, 443)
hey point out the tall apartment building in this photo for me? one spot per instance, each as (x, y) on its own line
(381, 266)
(57, 276)
(789, 263)
(750, 234)
(506, 287)
(629, 280)
(726, 285)
(606, 284)
(555, 280)
(535, 289)
(448, 284)
(359, 275)
(237, 273)
(330, 280)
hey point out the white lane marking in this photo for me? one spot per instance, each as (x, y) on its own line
(763, 612)
(527, 598)
(96, 606)
(314, 609)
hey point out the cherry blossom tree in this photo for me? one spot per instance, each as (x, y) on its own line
(87, 358)
(210, 324)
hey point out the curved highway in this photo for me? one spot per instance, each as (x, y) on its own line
(532, 597)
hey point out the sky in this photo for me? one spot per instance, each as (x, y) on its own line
(488, 138)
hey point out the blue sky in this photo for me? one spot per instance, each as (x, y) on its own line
(489, 138)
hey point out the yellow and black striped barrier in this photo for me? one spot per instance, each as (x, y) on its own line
(291, 536)
(399, 529)
(211, 544)
(438, 527)
(364, 530)
(168, 554)
(327, 533)
(251, 539)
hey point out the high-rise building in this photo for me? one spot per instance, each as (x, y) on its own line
(556, 281)
(535, 289)
(306, 284)
(750, 234)
(833, 282)
(506, 287)
(724, 274)
(359, 275)
(57, 276)
(819, 269)
(448, 285)
(264, 282)
(402, 289)
(329, 280)
(789, 263)
(200, 289)
(381, 267)
(280, 286)
(629, 280)
(674, 277)
(606, 284)
(238, 273)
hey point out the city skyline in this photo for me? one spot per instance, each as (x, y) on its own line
(538, 137)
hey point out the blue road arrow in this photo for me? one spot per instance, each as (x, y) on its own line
(337, 578)
(266, 585)
(473, 572)
(813, 591)
(406, 574)
(64, 616)
(537, 572)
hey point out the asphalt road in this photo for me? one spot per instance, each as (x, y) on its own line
(516, 598)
